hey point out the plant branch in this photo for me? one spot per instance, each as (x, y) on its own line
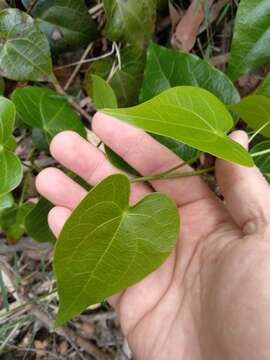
(171, 175)
(73, 103)
(31, 6)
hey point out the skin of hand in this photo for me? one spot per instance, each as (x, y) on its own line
(211, 299)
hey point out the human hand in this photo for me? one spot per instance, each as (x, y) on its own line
(211, 298)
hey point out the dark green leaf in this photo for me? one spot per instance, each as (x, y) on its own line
(262, 161)
(45, 109)
(126, 82)
(264, 89)
(255, 111)
(185, 152)
(167, 68)
(2, 86)
(190, 115)
(251, 38)
(36, 222)
(130, 21)
(118, 162)
(107, 246)
(100, 68)
(103, 94)
(66, 23)
(10, 165)
(12, 220)
(24, 49)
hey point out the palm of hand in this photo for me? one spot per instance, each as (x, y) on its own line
(172, 314)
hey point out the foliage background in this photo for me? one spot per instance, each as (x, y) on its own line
(49, 52)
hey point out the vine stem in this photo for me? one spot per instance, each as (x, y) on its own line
(31, 6)
(171, 175)
(73, 103)
(263, 152)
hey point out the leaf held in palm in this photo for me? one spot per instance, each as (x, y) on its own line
(191, 115)
(107, 246)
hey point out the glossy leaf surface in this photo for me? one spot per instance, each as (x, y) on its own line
(167, 68)
(24, 49)
(36, 222)
(129, 21)
(66, 23)
(45, 109)
(107, 246)
(255, 111)
(190, 115)
(10, 165)
(250, 45)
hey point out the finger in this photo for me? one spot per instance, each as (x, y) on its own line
(90, 163)
(149, 157)
(59, 189)
(246, 192)
(57, 218)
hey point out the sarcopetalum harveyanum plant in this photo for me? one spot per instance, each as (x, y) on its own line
(180, 99)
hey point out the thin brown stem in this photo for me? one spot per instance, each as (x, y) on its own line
(31, 6)
(77, 107)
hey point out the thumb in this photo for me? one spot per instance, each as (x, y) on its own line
(246, 192)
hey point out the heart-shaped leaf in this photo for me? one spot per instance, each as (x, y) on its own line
(255, 111)
(166, 68)
(10, 165)
(107, 246)
(130, 21)
(45, 109)
(191, 115)
(36, 222)
(67, 24)
(251, 37)
(24, 49)
(262, 157)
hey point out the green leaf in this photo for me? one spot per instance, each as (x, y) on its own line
(255, 111)
(126, 82)
(167, 68)
(36, 222)
(24, 49)
(251, 38)
(185, 152)
(10, 165)
(45, 109)
(6, 201)
(264, 88)
(118, 162)
(12, 221)
(130, 21)
(66, 23)
(262, 161)
(107, 246)
(190, 115)
(103, 94)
